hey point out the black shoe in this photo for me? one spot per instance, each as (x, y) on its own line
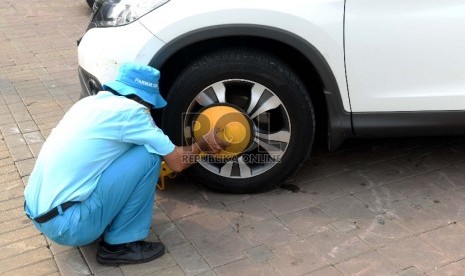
(129, 253)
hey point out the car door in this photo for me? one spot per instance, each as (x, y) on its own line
(405, 55)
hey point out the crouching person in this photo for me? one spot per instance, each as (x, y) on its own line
(96, 173)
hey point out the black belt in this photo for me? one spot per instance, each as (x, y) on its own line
(54, 212)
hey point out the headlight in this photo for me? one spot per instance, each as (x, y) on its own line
(111, 13)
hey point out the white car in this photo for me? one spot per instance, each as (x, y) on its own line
(297, 69)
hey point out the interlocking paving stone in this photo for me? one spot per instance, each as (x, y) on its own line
(6, 119)
(371, 263)
(15, 140)
(215, 209)
(461, 262)
(71, 263)
(449, 153)
(416, 161)
(414, 251)
(5, 158)
(345, 225)
(259, 254)
(21, 153)
(46, 129)
(454, 174)
(181, 184)
(35, 149)
(307, 222)
(183, 205)
(11, 190)
(3, 107)
(244, 213)
(324, 166)
(222, 248)
(48, 117)
(351, 182)
(189, 260)
(271, 233)
(11, 204)
(449, 205)
(211, 196)
(47, 267)
(150, 268)
(347, 207)
(381, 198)
(41, 105)
(297, 258)
(337, 247)
(305, 173)
(327, 271)
(280, 202)
(417, 218)
(116, 271)
(25, 167)
(450, 269)
(462, 224)
(9, 129)
(33, 137)
(447, 239)
(21, 116)
(11, 225)
(170, 235)
(57, 248)
(410, 271)
(208, 273)
(159, 216)
(32, 256)
(323, 190)
(12, 214)
(22, 246)
(170, 271)
(426, 184)
(246, 267)
(89, 253)
(200, 225)
(380, 231)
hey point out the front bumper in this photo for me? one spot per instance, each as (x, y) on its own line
(102, 50)
(89, 84)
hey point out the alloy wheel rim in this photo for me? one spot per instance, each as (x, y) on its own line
(271, 126)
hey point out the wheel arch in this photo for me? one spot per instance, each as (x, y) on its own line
(301, 55)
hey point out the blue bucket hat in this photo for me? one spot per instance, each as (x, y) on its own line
(138, 79)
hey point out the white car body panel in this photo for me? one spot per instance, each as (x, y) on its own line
(320, 22)
(405, 55)
(386, 42)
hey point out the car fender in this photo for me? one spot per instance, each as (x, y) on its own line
(304, 35)
(318, 22)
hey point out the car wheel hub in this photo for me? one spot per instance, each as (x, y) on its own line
(259, 126)
(234, 127)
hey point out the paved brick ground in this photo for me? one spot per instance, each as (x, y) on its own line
(380, 207)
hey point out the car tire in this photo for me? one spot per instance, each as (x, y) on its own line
(90, 3)
(289, 122)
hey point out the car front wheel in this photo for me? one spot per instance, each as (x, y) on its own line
(272, 99)
(90, 3)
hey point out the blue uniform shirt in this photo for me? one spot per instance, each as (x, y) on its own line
(92, 134)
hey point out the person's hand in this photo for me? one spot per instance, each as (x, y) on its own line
(210, 143)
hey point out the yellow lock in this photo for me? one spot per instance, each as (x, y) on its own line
(234, 127)
(165, 171)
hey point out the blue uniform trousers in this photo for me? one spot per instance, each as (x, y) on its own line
(120, 207)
